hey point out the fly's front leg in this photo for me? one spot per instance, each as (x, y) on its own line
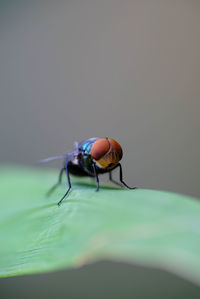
(121, 178)
(113, 181)
(96, 176)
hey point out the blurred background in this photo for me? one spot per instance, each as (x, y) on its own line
(130, 70)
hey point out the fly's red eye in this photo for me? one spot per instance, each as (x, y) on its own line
(116, 147)
(99, 148)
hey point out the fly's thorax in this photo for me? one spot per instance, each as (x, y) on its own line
(106, 152)
(86, 145)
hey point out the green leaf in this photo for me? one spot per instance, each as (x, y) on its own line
(144, 227)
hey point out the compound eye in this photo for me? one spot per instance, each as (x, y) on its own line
(99, 148)
(116, 147)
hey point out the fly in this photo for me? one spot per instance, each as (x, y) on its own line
(90, 157)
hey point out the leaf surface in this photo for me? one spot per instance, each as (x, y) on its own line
(145, 227)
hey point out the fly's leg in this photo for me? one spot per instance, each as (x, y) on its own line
(69, 185)
(121, 177)
(113, 181)
(52, 189)
(96, 176)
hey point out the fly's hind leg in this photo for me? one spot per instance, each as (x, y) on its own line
(53, 188)
(69, 184)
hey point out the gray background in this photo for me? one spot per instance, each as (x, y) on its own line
(127, 69)
(130, 70)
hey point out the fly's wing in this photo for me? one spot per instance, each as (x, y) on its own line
(67, 156)
(51, 159)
